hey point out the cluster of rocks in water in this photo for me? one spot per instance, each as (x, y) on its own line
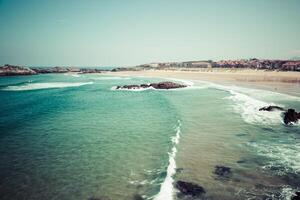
(289, 115)
(222, 171)
(12, 70)
(195, 191)
(160, 86)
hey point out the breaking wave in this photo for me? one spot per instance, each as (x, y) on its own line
(166, 188)
(249, 107)
(283, 158)
(39, 86)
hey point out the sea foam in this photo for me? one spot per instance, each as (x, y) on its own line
(166, 188)
(283, 158)
(38, 86)
(249, 107)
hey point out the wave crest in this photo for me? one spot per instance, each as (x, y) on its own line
(166, 188)
(38, 86)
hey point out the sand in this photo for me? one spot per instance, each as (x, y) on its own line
(285, 82)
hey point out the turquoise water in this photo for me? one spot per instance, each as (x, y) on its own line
(69, 136)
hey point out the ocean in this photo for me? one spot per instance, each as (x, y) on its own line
(74, 137)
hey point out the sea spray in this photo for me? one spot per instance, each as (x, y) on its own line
(39, 86)
(166, 188)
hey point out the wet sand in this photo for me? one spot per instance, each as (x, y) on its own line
(285, 82)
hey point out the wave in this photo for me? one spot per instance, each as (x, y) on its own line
(283, 158)
(38, 86)
(249, 107)
(258, 93)
(72, 74)
(166, 188)
(185, 82)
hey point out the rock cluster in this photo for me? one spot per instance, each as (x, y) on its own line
(10, 70)
(222, 171)
(160, 86)
(190, 189)
(289, 116)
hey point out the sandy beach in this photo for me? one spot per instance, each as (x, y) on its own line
(285, 82)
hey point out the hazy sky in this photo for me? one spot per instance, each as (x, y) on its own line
(128, 32)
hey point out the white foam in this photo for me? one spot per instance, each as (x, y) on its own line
(287, 193)
(184, 81)
(249, 107)
(284, 156)
(72, 74)
(166, 188)
(38, 86)
(258, 93)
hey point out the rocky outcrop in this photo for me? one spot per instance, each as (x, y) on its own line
(48, 70)
(160, 86)
(11, 70)
(190, 189)
(271, 108)
(89, 71)
(291, 116)
(296, 196)
(222, 171)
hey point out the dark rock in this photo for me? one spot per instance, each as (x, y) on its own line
(166, 85)
(291, 116)
(241, 161)
(144, 85)
(89, 71)
(179, 170)
(271, 108)
(296, 196)
(98, 198)
(137, 197)
(191, 189)
(161, 85)
(129, 87)
(222, 171)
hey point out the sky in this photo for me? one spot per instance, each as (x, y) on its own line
(132, 32)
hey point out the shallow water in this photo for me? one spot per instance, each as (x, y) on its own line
(75, 137)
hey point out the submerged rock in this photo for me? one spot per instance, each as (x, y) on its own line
(179, 170)
(222, 171)
(291, 116)
(191, 189)
(160, 86)
(296, 196)
(137, 197)
(271, 108)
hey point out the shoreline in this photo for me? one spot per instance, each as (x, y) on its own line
(276, 81)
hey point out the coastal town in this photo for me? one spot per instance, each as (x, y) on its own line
(264, 64)
(257, 64)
